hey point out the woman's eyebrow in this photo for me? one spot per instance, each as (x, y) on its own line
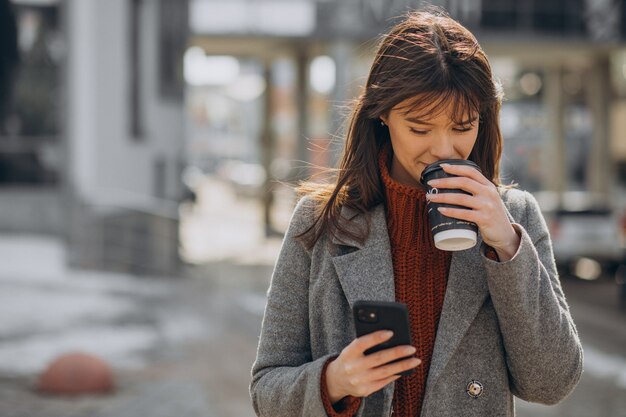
(422, 122)
(416, 120)
(469, 121)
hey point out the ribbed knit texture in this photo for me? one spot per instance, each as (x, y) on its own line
(420, 274)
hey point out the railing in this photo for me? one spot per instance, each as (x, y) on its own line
(138, 236)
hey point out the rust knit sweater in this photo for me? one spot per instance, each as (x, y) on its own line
(420, 276)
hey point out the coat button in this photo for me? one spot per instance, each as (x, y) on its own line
(474, 389)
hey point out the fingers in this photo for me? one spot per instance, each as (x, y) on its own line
(357, 374)
(467, 184)
(395, 368)
(466, 171)
(364, 380)
(382, 375)
(468, 207)
(363, 343)
(483, 194)
(458, 199)
(363, 388)
(461, 214)
(386, 363)
(383, 357)
(473, 209)
(381, 384)
(465, 178)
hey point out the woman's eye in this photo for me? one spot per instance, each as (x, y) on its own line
(419, 132)
(463, 129)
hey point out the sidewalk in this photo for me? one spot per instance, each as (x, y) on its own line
(135, 324)
(178, 346)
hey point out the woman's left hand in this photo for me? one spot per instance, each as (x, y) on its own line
(484, 207)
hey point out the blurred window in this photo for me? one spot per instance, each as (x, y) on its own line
(173, 15)
(30, 151)
(564, 17)
(224, 101)
(136, 119)
(268, 17)
(323, 74)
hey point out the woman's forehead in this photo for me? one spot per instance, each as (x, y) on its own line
(431, 106)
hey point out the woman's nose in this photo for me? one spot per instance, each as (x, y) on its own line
(443, 148)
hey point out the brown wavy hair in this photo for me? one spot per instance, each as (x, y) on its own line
(433, 63)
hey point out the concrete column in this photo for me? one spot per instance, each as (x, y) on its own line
(81, 115)
(341, 51)
(598, 92)
(267, 148)
(302, 101)
(554, 177)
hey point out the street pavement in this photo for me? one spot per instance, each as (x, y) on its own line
(183, 346)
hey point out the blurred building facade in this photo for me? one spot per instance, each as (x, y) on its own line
(125, 132)
(561, 62)
(114, 98)
(30, 136)
(104, 138)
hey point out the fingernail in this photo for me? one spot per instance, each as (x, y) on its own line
(387, 334)
(411, 350)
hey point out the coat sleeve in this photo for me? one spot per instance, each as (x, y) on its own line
(285, 379)
(543, 352)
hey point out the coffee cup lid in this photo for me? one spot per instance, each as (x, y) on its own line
(437, 165)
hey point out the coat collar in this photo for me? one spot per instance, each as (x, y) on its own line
(366, 273)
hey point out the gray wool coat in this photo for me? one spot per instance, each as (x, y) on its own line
(506, 325)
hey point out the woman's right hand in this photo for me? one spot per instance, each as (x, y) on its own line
(359, 375)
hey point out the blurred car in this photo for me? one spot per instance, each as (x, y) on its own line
(588, 234)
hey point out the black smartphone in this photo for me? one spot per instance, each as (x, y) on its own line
(372, 316)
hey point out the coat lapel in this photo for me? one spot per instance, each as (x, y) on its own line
(367, 272)
(465, 294)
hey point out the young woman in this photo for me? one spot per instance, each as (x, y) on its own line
(488, 323)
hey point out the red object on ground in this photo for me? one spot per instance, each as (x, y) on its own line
(75, 374)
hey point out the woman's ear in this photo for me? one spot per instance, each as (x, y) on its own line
(383, 119)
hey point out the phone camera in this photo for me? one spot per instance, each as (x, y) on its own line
(367, 315)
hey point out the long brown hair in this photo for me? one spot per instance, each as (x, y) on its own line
(431, 61)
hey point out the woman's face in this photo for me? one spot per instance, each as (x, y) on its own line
(419, 142)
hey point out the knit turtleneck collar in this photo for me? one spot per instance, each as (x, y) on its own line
(407, 219)
(384, 163)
